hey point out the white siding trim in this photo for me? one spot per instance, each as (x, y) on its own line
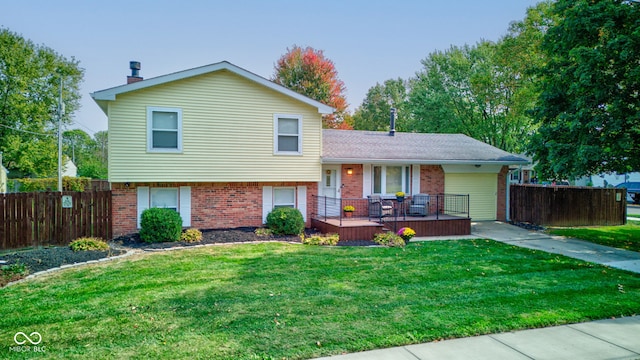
(302, 201)
(366, 180)
(415, 179)
(110, 94)
(142, 202)
(267, 202)
(185, 205)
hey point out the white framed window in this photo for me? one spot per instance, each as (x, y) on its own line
(176, 198)
(164, 198)
(389, 179)
(164, 129)
(284, 197)
(287, 134)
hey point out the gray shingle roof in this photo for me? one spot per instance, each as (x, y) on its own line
(345, 146)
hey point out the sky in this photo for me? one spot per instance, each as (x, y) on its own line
(369, 41)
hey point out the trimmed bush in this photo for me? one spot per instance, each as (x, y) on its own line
(88, 244)
(329, 239)
(191, 235)
(160, 225)
(389, 239)
(51, 184)
(285, 221)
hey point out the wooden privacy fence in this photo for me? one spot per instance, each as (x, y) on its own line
(567, 205)
(53, 218)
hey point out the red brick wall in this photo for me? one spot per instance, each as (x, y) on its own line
(213, 205)
(501, 214)
(431, 179)
(123, 209)
(352, 183)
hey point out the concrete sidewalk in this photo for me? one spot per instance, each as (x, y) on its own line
(578, 249)
(596, 340)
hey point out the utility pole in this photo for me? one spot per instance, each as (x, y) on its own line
(60, 114)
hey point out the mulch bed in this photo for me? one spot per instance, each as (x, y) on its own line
(50, 257)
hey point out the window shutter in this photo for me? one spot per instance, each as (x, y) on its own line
(267, 202)
(415, 179)
(302, 201)
(185, 205)
(366, 180)
(143, 201)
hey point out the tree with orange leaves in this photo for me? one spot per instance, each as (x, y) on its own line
(308, 72)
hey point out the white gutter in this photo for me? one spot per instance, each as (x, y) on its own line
(420, 162)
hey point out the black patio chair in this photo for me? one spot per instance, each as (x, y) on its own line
(379, 208)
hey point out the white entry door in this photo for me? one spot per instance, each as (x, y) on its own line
(329, 200)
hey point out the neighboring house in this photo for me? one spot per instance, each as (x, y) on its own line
(524, 173)
(69, 168)
(224, 146)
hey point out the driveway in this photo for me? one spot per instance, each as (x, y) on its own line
(578, 249)
(633, 211)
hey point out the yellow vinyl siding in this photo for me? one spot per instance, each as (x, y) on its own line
(482, 189)
(228, 134)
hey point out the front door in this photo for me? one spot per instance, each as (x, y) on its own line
(329, 200)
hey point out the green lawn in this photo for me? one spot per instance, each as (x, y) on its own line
(623, 237)
(278, 301)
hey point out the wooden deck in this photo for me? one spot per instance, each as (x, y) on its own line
(363, 229)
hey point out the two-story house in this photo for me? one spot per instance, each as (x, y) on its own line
(223, 147)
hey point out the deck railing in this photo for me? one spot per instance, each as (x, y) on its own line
(325, 207)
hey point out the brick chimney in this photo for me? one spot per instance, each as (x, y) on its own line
(135, 72)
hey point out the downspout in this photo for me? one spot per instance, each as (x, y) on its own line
(508, 210)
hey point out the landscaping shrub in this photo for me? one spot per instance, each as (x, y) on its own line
(389, 239)
(285, 221)
(329, 239)
(160, 225)
(191, 235)
(51, 184)
(88, 243)
(12, 272)
(263, 232)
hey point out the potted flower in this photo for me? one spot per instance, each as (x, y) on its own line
(348, 210)
(406, 233)
(400, 196)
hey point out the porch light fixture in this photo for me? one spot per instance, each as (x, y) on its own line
(349, 171)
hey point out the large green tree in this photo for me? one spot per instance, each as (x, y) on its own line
(374, 113)
(89, 154)
(308, 72)
(589, 107)
(470, 90)
(30, 78)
